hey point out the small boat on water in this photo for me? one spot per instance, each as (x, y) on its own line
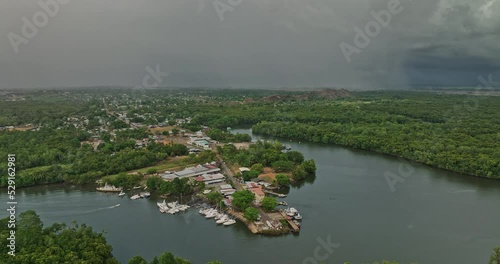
(281, 195)
(291, 211)
(210, 215)
(136, 188)
(135, 197)
(297, 217)
(121, 193)
(222, 220)
(164, 204)
(145, 194)
(283, 203)
(109, 188)
(229, 222)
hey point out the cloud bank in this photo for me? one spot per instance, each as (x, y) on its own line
(259, 43)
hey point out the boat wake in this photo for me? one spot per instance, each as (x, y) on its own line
(464, 191)
(91, 211)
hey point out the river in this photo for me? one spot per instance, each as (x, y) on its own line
(433, 216)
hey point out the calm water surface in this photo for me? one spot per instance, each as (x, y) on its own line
(433, 216)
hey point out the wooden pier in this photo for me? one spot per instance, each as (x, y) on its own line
(275, 194)
(295, 228)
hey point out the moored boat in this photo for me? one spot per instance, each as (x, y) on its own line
(222, 220)
(229, 222)
(298, 217)
(109, 188)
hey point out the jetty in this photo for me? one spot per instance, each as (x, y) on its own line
(251, 226)
(295, 228)
(275, 193)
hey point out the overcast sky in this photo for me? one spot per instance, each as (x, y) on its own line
(259, 43)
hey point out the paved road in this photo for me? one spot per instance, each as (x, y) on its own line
(229, 174)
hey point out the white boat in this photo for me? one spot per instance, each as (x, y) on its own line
(136, 188)
(172, 204)
(135, 197)
(210, 215)
(208, 211)
(297, 217)
(121, 193)
(222, 220)
(229, 222)
(145, 194)
(164, 204)
(202, 210)
(109, 188)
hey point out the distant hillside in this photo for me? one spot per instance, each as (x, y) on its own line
(320, 94)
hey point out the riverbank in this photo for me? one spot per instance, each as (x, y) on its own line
(405, 159)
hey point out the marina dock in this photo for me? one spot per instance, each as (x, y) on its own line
(275, 193)
(295, 228)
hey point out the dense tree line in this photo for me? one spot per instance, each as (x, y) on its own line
(56, 155)
(223, 136)
(454, 132)
(268, 154)
(456, 151)
(57, 243)
(47, 108)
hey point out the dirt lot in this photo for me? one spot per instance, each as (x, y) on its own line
(244, 145)
(22, 128)
(269, 175)
(161, 129)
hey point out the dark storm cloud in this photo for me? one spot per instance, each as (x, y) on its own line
(259, 43)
